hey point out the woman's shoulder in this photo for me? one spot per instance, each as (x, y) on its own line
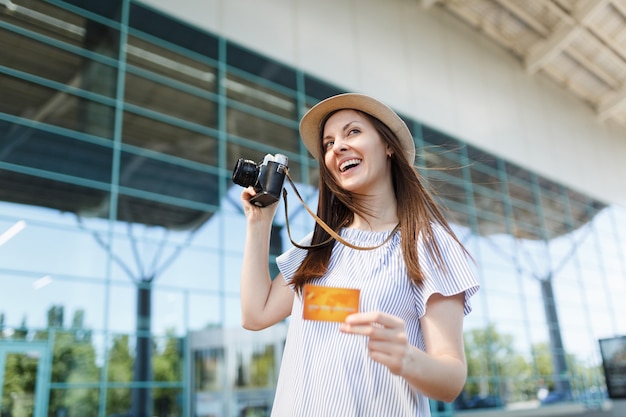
(438, 232)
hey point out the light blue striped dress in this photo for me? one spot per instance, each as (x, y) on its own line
(328, 373)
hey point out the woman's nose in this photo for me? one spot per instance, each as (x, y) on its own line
(340, 146)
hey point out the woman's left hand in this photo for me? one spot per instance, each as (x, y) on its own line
(388, 343)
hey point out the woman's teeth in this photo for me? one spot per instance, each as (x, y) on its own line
(351, 163)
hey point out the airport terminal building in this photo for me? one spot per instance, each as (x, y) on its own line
(121, 231)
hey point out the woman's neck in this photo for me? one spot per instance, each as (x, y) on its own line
(381, 214)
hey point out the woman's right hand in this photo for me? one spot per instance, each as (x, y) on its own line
(254, 213)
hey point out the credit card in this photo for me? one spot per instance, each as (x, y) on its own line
(329, 303)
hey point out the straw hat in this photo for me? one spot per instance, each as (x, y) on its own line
(310, 124)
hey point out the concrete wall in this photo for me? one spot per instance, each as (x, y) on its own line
(428, 65)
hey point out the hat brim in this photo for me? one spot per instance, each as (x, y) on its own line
(310, 124)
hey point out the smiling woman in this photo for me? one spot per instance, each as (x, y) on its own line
(404, 343)
(118, 126)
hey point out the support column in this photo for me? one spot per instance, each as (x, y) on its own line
(142, 396)
(559, 361)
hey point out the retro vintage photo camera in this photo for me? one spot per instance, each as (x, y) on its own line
(267, 177)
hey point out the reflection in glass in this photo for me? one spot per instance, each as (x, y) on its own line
(209, 369)
(18, 388)
(256, 367)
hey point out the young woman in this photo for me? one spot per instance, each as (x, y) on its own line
(405, 343)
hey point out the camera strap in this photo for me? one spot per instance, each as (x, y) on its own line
(327, 228)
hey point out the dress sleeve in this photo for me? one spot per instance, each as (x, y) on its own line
(458, 276)
(289, 262)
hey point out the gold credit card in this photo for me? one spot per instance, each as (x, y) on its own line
(329, 303)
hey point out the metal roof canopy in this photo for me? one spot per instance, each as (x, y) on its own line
(579, 44)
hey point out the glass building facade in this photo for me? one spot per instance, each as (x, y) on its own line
(121, 232)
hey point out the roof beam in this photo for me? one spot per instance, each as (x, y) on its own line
(612, 104)
(585, 11)
(426, 4)
(594, 69)
(539, 55)
(516, 9)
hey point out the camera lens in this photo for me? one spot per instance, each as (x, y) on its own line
(245, 172)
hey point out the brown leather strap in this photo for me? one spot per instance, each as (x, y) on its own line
(324, 226)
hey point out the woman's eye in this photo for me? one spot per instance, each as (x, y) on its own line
(353, 131)
(328, 144)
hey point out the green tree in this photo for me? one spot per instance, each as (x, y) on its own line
(19, 384)
(73, 363)
(587, 381)
(119, 370)
(495, 368)
(543, 363)
(263, 367)
(21, 332)
(20, 374)
(167, 363)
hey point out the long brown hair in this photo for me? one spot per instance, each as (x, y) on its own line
(417, 212)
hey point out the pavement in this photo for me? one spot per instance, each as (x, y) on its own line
(607, 409)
